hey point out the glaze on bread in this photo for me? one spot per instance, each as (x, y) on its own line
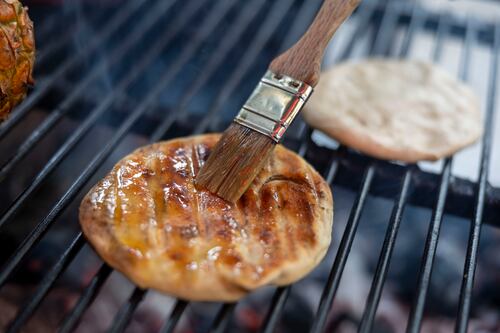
(147, 219)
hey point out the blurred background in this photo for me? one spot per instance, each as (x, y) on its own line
(114, 75)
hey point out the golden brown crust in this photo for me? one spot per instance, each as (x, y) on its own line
(17, 54)
(395, 109)
(148, 220)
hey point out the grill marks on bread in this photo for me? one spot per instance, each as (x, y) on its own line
(147, 219)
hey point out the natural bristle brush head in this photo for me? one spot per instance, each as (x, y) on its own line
(235, 161)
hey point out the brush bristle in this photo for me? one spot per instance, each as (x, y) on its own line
(235, 161)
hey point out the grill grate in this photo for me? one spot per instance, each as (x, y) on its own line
(133, 106)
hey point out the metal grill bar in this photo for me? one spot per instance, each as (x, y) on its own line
(43, 86)
(385, 257)
(343, 252)
(444, 27)
(276, 308)
(123, 316)
(307, 132)
(333, 169)
(377, 286)
(416, 314)
(417, 20)
(33, 302)
(73, 318)
(475, 232)
(223, 317)
(365, 15)
(174, 316)
(56, 115)
(386, 30)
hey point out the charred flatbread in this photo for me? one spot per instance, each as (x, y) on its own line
(148, 220)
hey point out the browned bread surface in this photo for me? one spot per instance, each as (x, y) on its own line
(17, 54)
(148, 220)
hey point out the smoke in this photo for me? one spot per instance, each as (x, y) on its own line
(86, 29)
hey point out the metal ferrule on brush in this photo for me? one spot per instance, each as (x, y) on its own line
(273, 105)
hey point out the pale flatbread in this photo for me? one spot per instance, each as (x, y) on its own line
(395, 109)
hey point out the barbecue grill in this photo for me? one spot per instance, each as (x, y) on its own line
(111, 77)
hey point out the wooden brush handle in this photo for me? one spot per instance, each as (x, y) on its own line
(303, 60)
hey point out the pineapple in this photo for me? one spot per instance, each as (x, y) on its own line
(17, 54)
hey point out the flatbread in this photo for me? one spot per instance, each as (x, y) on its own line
(395, 109)
(148, 220)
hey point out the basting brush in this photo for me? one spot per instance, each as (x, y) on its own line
(279, 96)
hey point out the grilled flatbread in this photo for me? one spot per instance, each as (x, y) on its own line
(147, 219)
(396, 110)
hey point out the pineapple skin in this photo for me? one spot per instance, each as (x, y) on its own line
(17, 54)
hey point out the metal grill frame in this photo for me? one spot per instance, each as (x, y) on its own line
(481, 207)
